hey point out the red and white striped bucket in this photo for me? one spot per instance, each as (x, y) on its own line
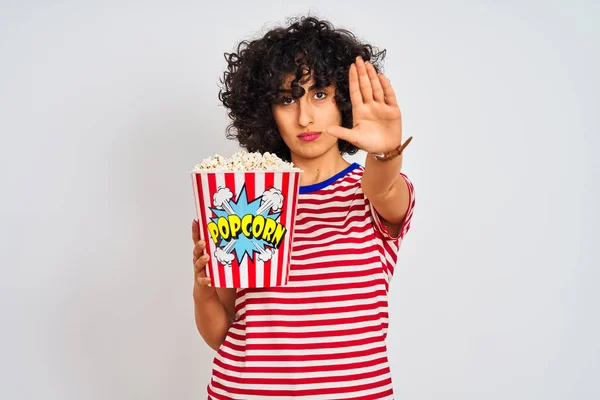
(247, 221)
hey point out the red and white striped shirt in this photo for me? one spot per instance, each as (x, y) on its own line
(323, 335)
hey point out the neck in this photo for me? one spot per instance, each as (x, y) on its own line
(321, 168)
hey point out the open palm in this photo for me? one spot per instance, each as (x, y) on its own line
(377, 121)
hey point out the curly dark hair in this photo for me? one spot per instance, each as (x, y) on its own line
(308, 48)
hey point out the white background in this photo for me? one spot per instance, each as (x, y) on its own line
(106, 106)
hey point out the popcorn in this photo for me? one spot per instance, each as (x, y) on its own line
(244, 161)
(246, 207)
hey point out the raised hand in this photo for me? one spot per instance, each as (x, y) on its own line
(377, 121)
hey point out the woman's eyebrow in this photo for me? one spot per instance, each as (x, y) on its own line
(317, 86)
(311, 88)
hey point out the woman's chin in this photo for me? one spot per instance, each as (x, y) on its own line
(310, 152)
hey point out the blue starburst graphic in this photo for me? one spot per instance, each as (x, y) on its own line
(243, 245)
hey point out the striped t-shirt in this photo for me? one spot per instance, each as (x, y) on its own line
(323, 335)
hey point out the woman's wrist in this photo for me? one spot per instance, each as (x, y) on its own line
(390, 155)
(202, 293)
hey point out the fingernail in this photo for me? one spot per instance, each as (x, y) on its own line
(205, 257)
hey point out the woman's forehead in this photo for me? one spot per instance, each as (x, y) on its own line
(307, 82)
(289, 78)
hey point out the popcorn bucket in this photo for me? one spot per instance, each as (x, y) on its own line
(247, 220)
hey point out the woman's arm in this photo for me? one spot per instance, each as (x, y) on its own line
(213, 314)
(213, 307)
(387, 191)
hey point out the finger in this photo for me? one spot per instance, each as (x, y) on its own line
(195, 231)
(200, 264)
(388, 90)
(202, 277)
(202, 261)
(199, 248)
(363, 80)
(346, 134)
(204, 281)
(378, 94)
(354, 88)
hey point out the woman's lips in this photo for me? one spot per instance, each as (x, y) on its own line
(309, 136)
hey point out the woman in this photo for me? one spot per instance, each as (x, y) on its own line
(311, 93)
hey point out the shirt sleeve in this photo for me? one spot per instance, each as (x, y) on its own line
(405, 227)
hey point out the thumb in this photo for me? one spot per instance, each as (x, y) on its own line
(195, 231)
(342, 133)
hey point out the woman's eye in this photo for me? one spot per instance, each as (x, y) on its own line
(320, 95)
(287, 100)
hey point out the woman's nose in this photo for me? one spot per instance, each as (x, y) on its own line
(305, 116)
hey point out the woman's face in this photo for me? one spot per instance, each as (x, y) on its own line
(302, 122)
